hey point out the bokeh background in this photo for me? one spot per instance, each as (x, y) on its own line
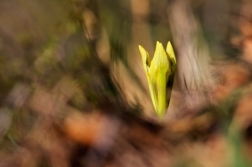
(73, 91)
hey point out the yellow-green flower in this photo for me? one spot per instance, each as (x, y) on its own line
(159, 71)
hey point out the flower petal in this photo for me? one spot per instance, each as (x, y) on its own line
(160, 60)
(170, 52)
(145, 56)
(146, 64)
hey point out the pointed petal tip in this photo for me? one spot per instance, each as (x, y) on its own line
(141, 49)
(169, 49)
(159, 46)
(144, 55)
(169, 46)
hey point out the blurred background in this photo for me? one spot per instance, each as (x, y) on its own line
(73, 91)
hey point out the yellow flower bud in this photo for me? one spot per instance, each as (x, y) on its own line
(158, 72)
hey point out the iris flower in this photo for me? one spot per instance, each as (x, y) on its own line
(159, 72)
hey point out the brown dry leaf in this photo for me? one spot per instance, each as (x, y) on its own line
(247, 49)
(211, 154)
(68, 88)
(27, 158)
(47, 138)
(245, 23)
(243, 115)
(43, 102)
(83, 128)
(181, 126)
(233, 75)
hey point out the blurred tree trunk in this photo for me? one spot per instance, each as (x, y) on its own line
(193, 78)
